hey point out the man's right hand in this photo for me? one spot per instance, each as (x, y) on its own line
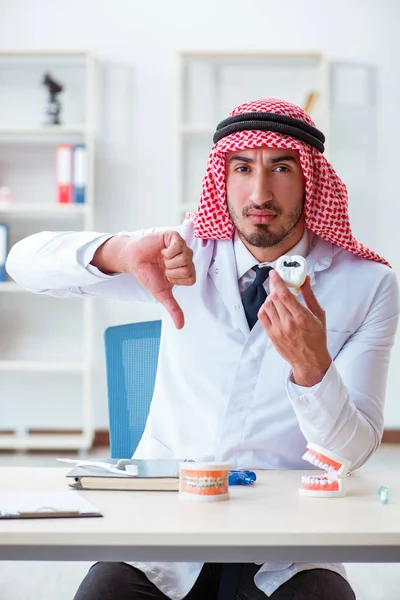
(158, 261)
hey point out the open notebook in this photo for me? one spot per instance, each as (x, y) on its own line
(39, 505)
(152, 474)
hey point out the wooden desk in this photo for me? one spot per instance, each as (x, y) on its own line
(269, 521)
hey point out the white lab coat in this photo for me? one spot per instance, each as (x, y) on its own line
(224, 393)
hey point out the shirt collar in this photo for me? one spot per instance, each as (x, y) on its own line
(245, 260)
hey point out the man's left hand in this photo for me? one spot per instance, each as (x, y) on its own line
(298, 333)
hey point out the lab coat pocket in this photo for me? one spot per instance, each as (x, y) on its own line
(336, 340)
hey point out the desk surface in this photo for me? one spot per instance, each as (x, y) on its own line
(269, 521)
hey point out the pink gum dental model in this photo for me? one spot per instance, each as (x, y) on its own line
(330, 484)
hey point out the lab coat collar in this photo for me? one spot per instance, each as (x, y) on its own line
(320, 256)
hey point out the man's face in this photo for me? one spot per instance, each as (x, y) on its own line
(265, 194)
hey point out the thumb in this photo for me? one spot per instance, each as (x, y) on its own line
(311, 301)
(171, 305)
(173, 244)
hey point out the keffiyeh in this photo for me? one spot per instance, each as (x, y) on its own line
(326, 199)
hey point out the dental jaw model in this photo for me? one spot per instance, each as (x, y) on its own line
(293, 271)
(333, 482)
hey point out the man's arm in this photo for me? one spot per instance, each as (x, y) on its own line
(143, 267)
(343, 411)
(58, 264)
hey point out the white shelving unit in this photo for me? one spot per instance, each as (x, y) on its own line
(213, 83)
(46, 365)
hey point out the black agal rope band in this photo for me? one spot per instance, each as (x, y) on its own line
(264, 121)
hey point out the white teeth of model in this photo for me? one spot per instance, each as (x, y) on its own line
(293, 270)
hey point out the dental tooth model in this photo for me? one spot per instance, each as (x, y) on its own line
(293, 271)
(332, 483)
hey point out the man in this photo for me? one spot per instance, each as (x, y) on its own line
(241, 379)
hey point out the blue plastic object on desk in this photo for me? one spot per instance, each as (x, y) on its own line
(242, 477)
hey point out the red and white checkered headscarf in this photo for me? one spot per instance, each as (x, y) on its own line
(326, 200)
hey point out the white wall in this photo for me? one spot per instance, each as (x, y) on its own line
(137, 41)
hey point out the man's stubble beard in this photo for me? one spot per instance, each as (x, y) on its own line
(263, 237)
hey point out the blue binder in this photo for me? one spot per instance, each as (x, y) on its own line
(3, 250)
(79, 173)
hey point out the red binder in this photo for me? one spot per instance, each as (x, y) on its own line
(64, 173)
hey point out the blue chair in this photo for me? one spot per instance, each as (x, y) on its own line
(131, 366)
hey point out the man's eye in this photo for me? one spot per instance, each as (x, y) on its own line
(242, 169)
(281, 169)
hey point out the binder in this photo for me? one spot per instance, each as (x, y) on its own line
(3, 250)
(64, 173)
(153, 474)
(79, 173)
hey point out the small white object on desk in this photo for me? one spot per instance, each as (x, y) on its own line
(293, 271)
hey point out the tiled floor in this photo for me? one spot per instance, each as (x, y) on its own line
(59, 581)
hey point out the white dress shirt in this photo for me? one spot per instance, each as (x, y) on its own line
(223, 392)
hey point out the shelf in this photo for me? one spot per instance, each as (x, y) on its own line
(42, 136)
(41, 366)
(45, 131)
(249, 54)
(6, 54)
(11, 286)
(43, 208)
(45, 442)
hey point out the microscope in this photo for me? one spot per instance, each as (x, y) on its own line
(53, 107)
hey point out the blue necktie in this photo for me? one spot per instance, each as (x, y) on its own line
(254, 296)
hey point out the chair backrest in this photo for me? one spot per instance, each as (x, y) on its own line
(131, 366)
